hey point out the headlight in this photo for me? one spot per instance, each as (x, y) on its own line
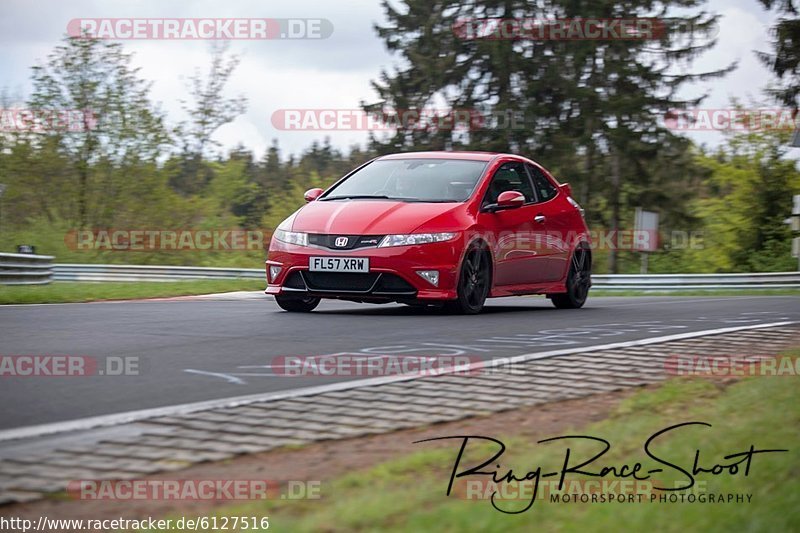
(292, 237)
(415, 238)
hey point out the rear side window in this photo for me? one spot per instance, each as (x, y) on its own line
(510, 177)
(544, 187)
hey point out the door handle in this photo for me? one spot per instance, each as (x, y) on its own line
(539, 219)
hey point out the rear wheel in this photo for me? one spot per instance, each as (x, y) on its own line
(473, 283)
(578, 281)
(297, 304)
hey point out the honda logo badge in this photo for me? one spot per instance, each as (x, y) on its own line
(341, 242)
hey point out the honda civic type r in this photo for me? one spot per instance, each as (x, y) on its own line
(447, 228)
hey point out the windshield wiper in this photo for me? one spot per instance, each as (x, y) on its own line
(366, 196)
(436, 201)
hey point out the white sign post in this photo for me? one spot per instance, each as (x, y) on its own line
(2, 190)
(645, 228)
(794, 220)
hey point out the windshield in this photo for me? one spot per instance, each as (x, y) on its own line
(411, 180)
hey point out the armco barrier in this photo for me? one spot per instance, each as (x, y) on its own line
(25, 269)
(614, 282)
(682, 282)
(72, 272)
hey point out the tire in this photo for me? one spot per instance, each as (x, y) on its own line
(474, 281)
(578, 281)
(297, 304)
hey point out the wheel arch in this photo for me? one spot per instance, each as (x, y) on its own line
(486, 248)
(581, 245)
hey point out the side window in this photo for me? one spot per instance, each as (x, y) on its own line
(544, 188)
(509, 177)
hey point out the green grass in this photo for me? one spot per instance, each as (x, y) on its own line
(63, 292)
(408, 493)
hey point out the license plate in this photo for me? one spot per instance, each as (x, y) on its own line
(338, 264)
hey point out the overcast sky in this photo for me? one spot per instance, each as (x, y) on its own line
(331, 73)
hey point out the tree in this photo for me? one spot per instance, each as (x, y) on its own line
(208, 110)
(743, 204)
(784, 61)
(592, 110)
(118, 126)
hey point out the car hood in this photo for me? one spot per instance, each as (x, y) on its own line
(367, 217)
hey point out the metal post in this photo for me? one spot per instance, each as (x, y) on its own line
(2, 190)
(794, 222)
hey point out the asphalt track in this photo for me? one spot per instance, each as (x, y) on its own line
(205, 349)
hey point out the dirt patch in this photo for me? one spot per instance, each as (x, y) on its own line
(327, 460)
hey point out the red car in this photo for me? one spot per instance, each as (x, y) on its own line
(449, 228)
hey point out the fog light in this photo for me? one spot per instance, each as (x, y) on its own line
(274, 271)
(431, 276)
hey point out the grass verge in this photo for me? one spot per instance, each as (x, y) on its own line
(63, 292)
(408, 494)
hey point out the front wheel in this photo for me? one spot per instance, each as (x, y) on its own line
(473, 283)
(578, 282)
(297, 304)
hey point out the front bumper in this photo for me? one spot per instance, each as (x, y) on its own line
(392, 276)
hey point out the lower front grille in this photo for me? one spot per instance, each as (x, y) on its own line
(295, 281)
(389, 283)
(380, 284)
(340, 281)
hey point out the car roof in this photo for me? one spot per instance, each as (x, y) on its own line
(473, 156)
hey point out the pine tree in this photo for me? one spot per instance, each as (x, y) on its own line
(593, 110)
(785, 59)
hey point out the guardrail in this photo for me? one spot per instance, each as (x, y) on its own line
(25, 269)
(681, 282)
(614, 282)
(74, 272)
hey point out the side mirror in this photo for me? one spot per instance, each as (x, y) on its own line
(566, 189)
(313, 194)
(510, 200)
(506, 200)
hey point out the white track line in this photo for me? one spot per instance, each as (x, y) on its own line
(180, 409)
